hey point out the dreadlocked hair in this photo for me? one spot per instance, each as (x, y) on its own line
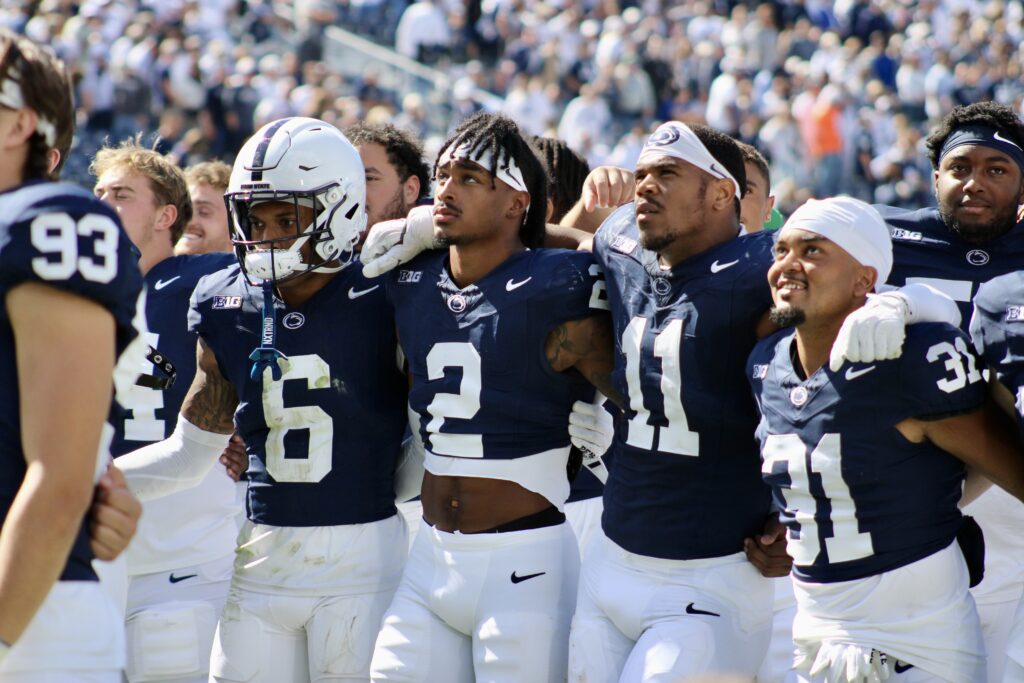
(499, 135)
(992, 114)
(566, 172)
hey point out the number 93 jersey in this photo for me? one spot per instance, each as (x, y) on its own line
(857, 497)
(686, 483)
(324, 440)
(481, 382)
(61, 236)
(997, 330)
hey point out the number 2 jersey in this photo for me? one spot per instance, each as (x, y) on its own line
(857, 497)
(686, 482)
(481, 382)
(324, 440)
(61, 236)
(196, 525)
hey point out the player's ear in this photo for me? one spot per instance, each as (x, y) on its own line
(165, 217)
(723, 194)
(865, 281)
(519, 205)
(411, 189)
(24, 126)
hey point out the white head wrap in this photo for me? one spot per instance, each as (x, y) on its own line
(508, 173)
(676, 140)
(854, 225)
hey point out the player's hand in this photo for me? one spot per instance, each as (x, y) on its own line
(391, 243)
(114, 516)
(767, 550)
(847, 663)
(607, 187)
(591, 428)
(873, 332)
(234, 458)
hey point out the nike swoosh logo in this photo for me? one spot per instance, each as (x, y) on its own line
(520, 579)
(353, 294)
(512, 284)
(160, 284)
(717, 267)
(308, 168)
(854, 374)
(901, 667)
(690, 609)
(176, 579)
(997, 136)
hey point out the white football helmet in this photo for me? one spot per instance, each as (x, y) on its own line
(306, 162)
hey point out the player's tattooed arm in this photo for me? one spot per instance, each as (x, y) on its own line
(211, 400)
(587, 345)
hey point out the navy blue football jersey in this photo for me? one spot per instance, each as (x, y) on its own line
(858, 499)
(481, 383)
(997, 330)
(150, 414)
(323, 441)
(925, 250)
(61, 236)
(686, 482)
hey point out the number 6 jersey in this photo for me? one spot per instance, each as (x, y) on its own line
(323, 441)
(857, 497)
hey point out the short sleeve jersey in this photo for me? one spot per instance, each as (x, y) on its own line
(61, 236)
(858, 498)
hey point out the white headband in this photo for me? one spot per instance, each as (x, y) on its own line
(855, 226)
(508, 173)
(11, 97)
(676, 140)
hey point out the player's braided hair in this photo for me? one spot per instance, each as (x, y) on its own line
(500, 136)
(727, 152)
(993, 114)
(566, 172)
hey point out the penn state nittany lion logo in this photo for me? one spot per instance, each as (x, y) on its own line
(664, 137)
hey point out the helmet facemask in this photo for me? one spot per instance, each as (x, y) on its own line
(281, 259)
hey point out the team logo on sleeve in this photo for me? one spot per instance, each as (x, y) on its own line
(409, 276)
(760, 371)
(908, 235)
(221, 302)
(1015, 314)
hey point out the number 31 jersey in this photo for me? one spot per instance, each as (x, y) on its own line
(857, 497)
(686, 482)
(61, 236)
(323, 441)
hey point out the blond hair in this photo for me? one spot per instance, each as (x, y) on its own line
(216, 174)
(166, 180)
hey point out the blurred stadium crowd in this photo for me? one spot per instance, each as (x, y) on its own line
(837, 95)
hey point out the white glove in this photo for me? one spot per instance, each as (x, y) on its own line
(848, 663)
(591, 429)
(391, 243)
(873, 332)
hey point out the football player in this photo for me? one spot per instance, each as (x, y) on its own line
(209, 231)
(320, 405)
(974, 235)
(180, 561)
(71, 317)
(501, 340)
(866, 462)
(997, 330)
